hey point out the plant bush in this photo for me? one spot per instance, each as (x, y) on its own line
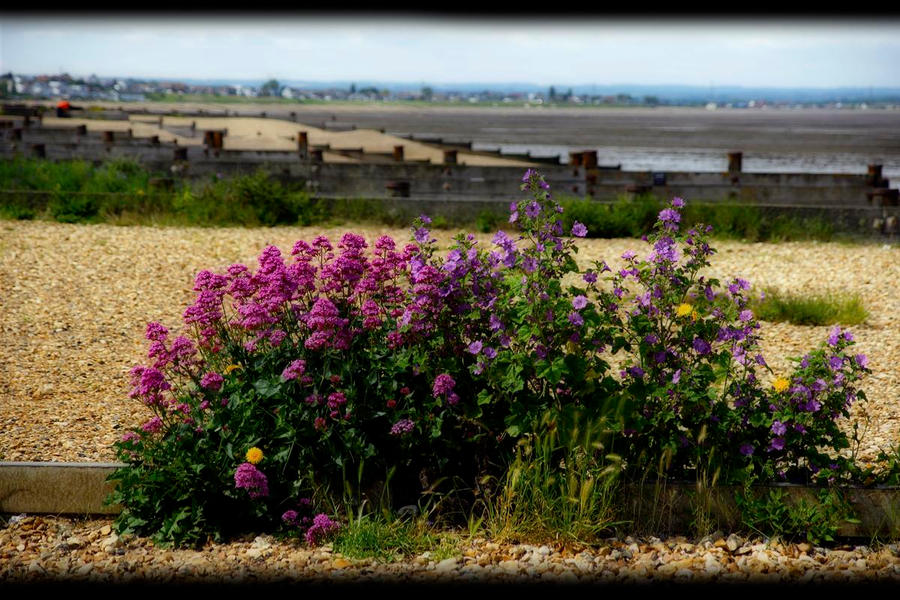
(348, 374)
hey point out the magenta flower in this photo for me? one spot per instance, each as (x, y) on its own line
(212, 381)
(253, 480)
(294, 370)
(443, 385)
(153, 425)
(402, 426)
(322, 526)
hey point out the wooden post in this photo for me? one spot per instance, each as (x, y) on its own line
(449, 157)
(40, 150)
(734, 161)
(874, 178)
(302, 142)
(590, 159)
(576, 159)
(181, 153)
(316, 156)
(108, 137)
(398, 153)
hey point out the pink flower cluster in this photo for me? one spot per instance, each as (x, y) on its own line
(253, 480)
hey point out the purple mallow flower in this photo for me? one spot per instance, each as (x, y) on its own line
(579, 302)
(475, 347)
(579, 230)
(746, 449)
(701, 346)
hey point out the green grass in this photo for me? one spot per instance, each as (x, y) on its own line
(388, 540)
(561, 487)
(827, 308)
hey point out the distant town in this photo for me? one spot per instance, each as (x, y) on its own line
(65, 86)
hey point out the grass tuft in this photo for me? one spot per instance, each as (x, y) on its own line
(388, 540)
(829, 308)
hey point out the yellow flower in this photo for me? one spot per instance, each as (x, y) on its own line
(231, 368)
(694, 315)
(254, 455)
(781, 384)
(684, 310)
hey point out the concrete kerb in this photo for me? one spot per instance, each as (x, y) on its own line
(82, 488)
(56, 488)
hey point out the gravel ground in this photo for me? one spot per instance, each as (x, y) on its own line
(76, 299)
(39, 549)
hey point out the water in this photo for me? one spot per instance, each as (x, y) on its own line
(710, 160)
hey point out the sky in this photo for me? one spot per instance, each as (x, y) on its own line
(445, 49)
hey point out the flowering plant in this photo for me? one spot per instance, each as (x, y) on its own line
(342, 367)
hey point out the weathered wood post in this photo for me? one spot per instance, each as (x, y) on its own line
(398, 153)
(873, 177)
(449, 157)
(302, 143)
(734, 161)
(576, 159)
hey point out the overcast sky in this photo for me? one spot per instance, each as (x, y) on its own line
(436, 49)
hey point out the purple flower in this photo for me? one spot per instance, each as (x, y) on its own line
(421, 235)
(322, 526)
(579, 230)
(253, 480)
(635, 371)
(576, 319)
(443, 385)
(677, 376)
(835, 362)
(701, 346)
(677, 202)
(834, 336)
(402, 426)
(152, 426)
(590, 277)
(862, 360)
(212, 381)
(746, 449)
(628, 254)
(777, 444)
(745, 315)
(294, 370)
(779, 428)
(579, 302)
(475, 347)
(532, 210)
(490, 352)
(290, 517)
